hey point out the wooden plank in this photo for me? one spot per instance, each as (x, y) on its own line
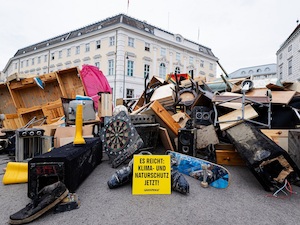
(165, 139)
(22, 111)
(229, 95)
(163, 117)
(249, 113)
(7, 105)
(280, 97)
(27, 81)
(237, 98)
(53, 111)
(13, 121)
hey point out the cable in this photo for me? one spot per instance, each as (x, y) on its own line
(289, 189)
(280, 189)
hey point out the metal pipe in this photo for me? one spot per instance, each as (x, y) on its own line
(222, 68)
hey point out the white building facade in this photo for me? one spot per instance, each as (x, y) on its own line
(123, 48)
(260, 72)
(288, 58)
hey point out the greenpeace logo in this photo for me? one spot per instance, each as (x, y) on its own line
(152, 189)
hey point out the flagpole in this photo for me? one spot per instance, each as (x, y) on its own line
(127, 6)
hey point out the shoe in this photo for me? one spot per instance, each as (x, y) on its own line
(46, 199)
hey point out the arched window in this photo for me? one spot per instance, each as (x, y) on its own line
(162, 70)
(177, 70)
(258, 70)
(251, 71)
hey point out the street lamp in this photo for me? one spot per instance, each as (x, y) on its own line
(125, 57)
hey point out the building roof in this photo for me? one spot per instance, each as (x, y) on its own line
(292, 35)
(254, 71)
(120, 18)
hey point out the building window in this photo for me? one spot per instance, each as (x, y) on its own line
(32, 61)
(147, 47)
(178, 39)
(290, 67)
(69, 52)
(211, 66)
(16, 66)
(129, 93)
(290, 48)
(98, 44)
(250, 72)
(177, 70)
(177, 56)
(52, 56)
(280, 72)
(162, 70)
(130, 68)
(258, 70)
(59, 54)
(97, 64)
(267, 69)
(280, 56)
(110, 67)
(45, 58)
(201, 63)
(163, 52)
(146, 71)
(191, 60)
(77, 50)
(87, 47)
(130, 42)
(111, 41)
(22, 64)
(39, 59)
(27, 62)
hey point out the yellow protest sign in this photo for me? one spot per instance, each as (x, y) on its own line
(151, 174)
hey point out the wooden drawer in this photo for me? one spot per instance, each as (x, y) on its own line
(229, 157)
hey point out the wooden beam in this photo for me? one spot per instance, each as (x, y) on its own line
(249, 113)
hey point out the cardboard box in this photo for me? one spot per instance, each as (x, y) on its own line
(65, 135)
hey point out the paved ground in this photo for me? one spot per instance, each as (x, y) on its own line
(244, 202)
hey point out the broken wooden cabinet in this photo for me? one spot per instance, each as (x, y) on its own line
(32, 101)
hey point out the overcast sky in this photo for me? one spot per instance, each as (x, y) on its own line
(241, 33)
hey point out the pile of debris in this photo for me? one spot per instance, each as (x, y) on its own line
(230, 122)
(225, 122)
